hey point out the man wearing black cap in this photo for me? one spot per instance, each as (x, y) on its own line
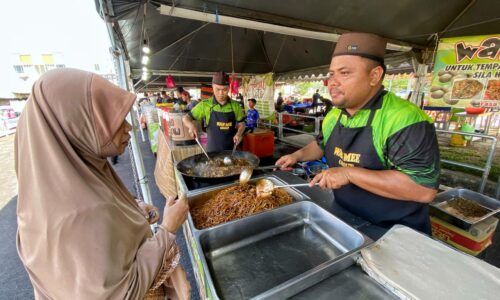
(224, 117)
(382, 150)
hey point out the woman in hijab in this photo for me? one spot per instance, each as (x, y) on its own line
(81, 234)
(186, 98)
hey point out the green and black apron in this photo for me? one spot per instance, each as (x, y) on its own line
(221, 130)
(353, 147)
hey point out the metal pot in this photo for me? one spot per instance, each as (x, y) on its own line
(191, 166)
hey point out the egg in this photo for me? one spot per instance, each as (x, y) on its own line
(475, 103)
(437, 94)
(460, 76)
(447, 99)
(442, 72)
(445, 78)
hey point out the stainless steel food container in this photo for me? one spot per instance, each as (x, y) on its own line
(198, 196)
(274, 254)
(439, 204)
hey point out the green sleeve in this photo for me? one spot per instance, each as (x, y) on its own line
(238, 112)
(198, 112)
(327, 127)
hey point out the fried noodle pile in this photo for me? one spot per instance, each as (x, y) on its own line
(234, 203)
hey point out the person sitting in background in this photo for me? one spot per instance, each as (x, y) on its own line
(159, 98)
(315, 98)
(81, 234)
(164, 97)
(186, 97)
(143, 101)
(178, 95)
(279, 103)
(252, 116)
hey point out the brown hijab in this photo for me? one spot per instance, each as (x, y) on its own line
(80, 232)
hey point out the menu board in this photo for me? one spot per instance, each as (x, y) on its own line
(467, 72)
(261, 88)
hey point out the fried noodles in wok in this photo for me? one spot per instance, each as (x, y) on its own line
(217, 168)
(234, 203)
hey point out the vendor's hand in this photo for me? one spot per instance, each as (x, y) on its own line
(174, 213)
(237, 139)
(287, 161)
(192, 131)
(150, 212)
(332, 178)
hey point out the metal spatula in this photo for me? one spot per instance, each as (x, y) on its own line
(202, 149)
(228, 160)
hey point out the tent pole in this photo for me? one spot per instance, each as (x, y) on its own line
(130, 86)
(136, 150)
(125, 84)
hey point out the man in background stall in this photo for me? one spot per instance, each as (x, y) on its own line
(224, 117)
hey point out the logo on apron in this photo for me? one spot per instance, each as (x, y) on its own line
(224, 125)
(347, 159)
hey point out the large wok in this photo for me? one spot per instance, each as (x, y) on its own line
(192, 165)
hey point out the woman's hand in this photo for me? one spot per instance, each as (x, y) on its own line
(174, 213)
(150, 212)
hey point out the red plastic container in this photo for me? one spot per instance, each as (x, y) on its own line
(164, 120)
(259, 143)
(474, 110)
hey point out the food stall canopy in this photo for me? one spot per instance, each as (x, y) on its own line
(184, 43)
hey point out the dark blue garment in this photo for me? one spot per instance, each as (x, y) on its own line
(252, 117)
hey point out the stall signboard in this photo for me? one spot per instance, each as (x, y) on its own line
(261, 88)
(467, 72)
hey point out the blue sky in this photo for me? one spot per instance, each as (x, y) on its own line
(71, 27)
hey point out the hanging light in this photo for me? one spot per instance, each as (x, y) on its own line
(144, 69)
(145, 76)
(145, 47)
(145, 60)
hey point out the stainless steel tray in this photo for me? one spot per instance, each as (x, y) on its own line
(194, 198)
(439, 204)
(277, 253)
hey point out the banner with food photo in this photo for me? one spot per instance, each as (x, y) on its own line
(261, 88)
(467, 72)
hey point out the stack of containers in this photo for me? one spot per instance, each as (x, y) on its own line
(467, 234)
(260, 143)
(151, 115)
